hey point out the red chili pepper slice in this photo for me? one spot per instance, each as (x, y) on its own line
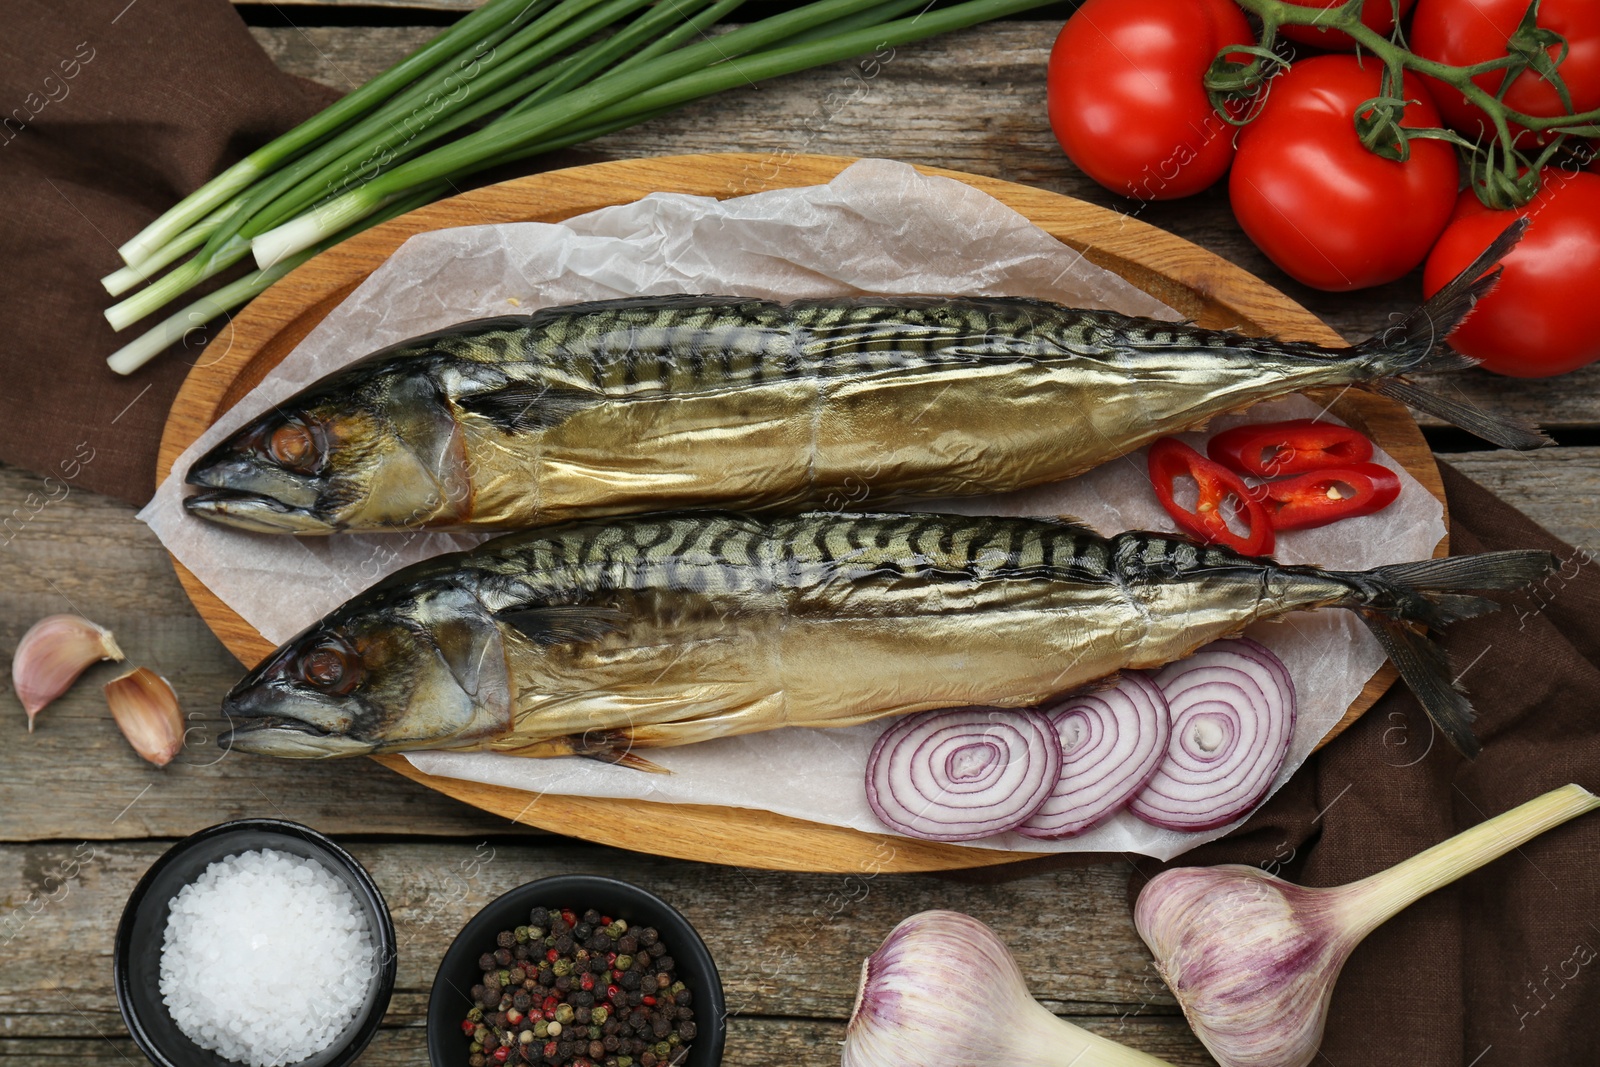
(1171, 460)
(1274, 449)
(1320, 497)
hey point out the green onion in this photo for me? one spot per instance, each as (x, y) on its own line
(665, 82)
(130, 357)
(545, 74)
(264, 160)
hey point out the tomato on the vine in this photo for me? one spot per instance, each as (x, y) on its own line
(1540, 319)
(1331, 213)
(1464, 32)
(1127, 99)
(1375, 14)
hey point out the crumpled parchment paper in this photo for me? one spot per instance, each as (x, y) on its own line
(880, 227)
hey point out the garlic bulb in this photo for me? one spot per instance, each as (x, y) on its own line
(942, 988)
(146, 709)
(1252, 958)
(52, 654)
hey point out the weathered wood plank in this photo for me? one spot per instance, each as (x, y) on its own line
(752, 1042)
(75, 775)
(786, 944)
(971, 101)
(1558, 487)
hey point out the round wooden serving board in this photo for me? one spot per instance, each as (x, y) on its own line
(1200, 285)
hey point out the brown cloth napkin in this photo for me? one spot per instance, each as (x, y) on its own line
(1503, 967)
(110, 111)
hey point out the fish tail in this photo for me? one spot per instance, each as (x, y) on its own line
(1431, 592)
(1415, 344)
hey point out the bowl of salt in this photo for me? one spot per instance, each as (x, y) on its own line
(257, 942)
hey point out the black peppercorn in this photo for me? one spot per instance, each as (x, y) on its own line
(661, 1026)
(547, 977)
(502, 957)
(635, 997)
(663, 963)
(683, 998)
(597, 964)
(521, 1001)
(583, 931)
(506, 938)
(687, 1030)
(628, 980)
(628, 943)
(564, 944)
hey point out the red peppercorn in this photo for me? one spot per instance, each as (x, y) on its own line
(514, 1016)
(614, 992)
(650, 1001)
(468, 1026)
(552, 955)
(550, 1003)
(611, 958)
(550, 1050)
(586, 982)
(572, 920)
(605, 920)
(501, 1054)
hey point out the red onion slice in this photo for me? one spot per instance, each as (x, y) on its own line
(1233, 714)
(963, 773)
(1112, 742)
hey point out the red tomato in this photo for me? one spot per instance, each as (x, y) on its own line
(1127, 100)
(1464, 32)
(1330, 213)
(1377, 14)
(1540, 319)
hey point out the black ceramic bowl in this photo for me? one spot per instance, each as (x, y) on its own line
(136, 961)
(458, 971)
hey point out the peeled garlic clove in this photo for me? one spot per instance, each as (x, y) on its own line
(52, 654)
(146, 708)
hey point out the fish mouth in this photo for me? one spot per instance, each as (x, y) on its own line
(256, 512)
(274, 735)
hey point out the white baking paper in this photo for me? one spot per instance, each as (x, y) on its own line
(880, 227)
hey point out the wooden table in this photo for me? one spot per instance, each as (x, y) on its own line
(788, 945)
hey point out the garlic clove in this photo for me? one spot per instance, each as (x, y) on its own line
(146, 709)
(52, 654)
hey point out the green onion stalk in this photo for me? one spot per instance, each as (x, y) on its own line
(1503, 175)
(698, 70)
(488, 18)
(514, 79)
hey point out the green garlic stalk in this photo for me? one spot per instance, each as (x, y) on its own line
(1253, 959)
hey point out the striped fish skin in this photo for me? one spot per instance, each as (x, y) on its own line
(594, 638)
(643, 405)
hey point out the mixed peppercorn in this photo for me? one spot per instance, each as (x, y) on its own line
(571, 990)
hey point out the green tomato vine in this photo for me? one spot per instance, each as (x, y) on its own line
(1501, 174)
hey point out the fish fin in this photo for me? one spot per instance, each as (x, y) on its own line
(1430, 592)
(1499, 430)
(554, 624)
(629, 760)
(521, 407)
(1414, 344)
(1430, 676)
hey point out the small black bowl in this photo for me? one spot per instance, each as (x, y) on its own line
(458, 971)
(136, 961)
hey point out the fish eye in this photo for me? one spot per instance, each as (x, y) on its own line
(331, 667)
(296, 447)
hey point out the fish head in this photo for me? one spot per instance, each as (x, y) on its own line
(418, 666)
(375, 447)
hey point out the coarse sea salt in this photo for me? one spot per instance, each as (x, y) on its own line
(267, 958)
